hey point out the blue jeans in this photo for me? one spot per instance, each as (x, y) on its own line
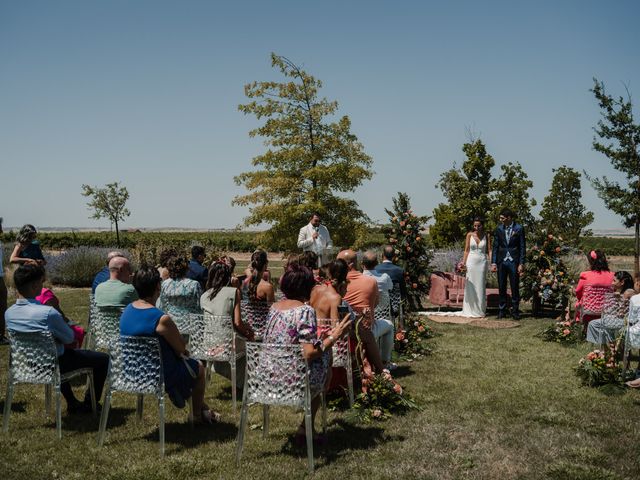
(508, 270)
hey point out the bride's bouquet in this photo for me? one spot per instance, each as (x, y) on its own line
(461, 268)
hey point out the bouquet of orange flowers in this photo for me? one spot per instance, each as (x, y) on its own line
(565, 332)
(599, 368)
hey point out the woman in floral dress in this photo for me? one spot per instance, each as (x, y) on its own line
(292, 320)
(179, 295)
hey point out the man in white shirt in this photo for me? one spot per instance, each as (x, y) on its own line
(3, 294)
(315, 237)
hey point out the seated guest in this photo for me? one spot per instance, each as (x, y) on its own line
(28, 315)
(103, 275)
(362, 296)
(196, 271)
(179, 294)
(310, 260)
(224, 300)
(597, 275)
(291, 320)
(634, 325)
(326, 297)
(27, 249)
(235, 281)
(48, 298)
(369, 264)
(183, 376)
(605, 329)
(255, 286)
(383, 329)
(117, 291)
(394, 271)
(163, 259)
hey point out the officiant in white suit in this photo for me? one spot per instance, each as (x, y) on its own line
(315, 237)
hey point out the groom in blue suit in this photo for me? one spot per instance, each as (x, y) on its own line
(508, 260)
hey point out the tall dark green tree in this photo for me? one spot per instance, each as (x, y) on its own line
(511, 189)
(310, 160)
(468, 193)
(563, 213)
(618, 138)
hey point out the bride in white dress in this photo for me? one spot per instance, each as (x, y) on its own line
(476, 260)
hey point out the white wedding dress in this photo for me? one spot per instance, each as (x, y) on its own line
(475, 298)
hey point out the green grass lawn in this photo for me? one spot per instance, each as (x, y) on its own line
(496, 404)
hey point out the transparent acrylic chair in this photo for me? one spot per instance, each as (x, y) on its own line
(255, 313)
(277, 375)
(341, 354)
(631, 338)
(396, 305)
(33, 359)
(215, 340)
(104, 329)
(93, 311)
(186, 321)
(383, 309)
(136, 367)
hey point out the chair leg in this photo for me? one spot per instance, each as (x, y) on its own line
(58, 412)
(232, 364)
(323, 401)
(208, 367)
(92, 392)
(265, 421)
(161, 425)
(308, 424)
(47, 400)
(241, 430)
(349, 368)
(191, 411)
(103, 418)
(140, 407)
(7, 406)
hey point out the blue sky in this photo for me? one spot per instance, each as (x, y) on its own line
(146, 93)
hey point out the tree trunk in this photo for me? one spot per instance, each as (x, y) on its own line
(117, 235)
(636, 251)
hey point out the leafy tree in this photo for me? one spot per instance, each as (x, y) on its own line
(562, 210)
(405, 233)
(468, 191)
(309, 159)
(108, 202)
(620, 142)
(511, 190)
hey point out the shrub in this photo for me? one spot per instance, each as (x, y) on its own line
(76, 267)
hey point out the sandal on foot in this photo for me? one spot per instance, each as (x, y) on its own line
(209, 417)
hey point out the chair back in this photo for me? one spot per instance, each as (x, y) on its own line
(136, 366)
(255, 314)
(276, 374)
(593, 298)
(614, 309)
(214, 339)
(187, 321)
(33, 358)
(340, 351)
(395, 298)
(105, 327)
(383, 309)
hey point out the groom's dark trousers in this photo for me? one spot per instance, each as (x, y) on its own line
(508, 271)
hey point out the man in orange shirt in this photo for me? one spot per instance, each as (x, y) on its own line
(362, 295)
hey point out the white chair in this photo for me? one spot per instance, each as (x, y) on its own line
(396, 304)
(215, 341)
(255, 313)
(33, 359)
(136, 367)
(277, 375)
(341, 355)
(383, 309)
(104, 330)
(631, 338)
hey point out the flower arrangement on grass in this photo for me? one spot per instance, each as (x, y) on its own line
(565, 332)
(381, 398)
(410, 343)
(405, 234)
(545, 278)
(599, 367)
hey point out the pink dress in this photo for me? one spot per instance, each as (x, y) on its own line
(592, 278)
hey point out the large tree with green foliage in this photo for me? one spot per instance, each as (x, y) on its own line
(468, 194)
(619, 140)
(563, 213)
(309, 160)
(108, 202)
(471, 191)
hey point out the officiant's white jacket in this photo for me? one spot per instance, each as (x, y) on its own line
(319, 245)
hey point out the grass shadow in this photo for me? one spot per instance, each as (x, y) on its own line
(16, 407)
(402, 371)
(186, 436)
(87, 422)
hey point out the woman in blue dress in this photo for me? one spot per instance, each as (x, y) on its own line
(27, 249)
(183, 376)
